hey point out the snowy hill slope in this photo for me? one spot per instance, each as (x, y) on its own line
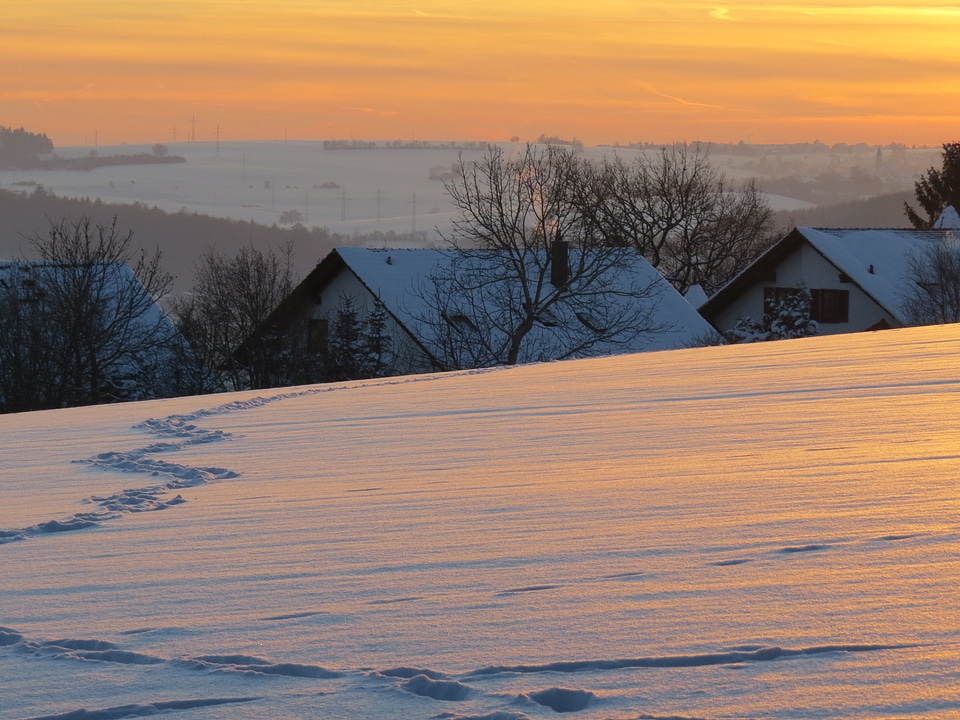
(752, 531)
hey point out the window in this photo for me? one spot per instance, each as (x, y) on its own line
(826, 306)
(830, 306)
(460, 322)
(772, 296)
(30, 292)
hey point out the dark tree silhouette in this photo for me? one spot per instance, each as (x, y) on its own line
(529, 277)
(231, 298)
(81, 326)
(937, 189)
(682, 215)
(358, 347)
(933, 294)
(19, 148)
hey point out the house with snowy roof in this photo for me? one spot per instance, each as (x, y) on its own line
(400, 282)
(120, 344)
(857, 278)
(112, 286)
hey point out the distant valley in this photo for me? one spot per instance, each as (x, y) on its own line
(319, 195)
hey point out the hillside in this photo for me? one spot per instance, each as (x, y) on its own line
(747, 531)
(883, 211)
(181, 237)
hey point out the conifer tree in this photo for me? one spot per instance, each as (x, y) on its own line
(345, 349)
(376, 343)
(937, 190)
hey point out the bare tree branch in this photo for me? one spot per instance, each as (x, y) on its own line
(497, 300)
(933, 294)
(83, 322)
(231, 298)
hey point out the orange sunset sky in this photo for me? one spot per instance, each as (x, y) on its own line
(603, 71)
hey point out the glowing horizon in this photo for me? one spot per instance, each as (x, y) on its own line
(616, 71)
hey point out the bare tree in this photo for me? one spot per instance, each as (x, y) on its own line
(83, 325)
(682, 214)
(527, 276)
(231, 298)
(932, 296)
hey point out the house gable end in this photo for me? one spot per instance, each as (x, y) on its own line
(763, 268)
(391, 310)
(846, 276)
(295, 304)
(866, 266)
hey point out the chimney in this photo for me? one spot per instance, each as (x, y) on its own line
(559, 262)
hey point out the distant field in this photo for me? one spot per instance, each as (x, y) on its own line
(369, 190)
(347, 191)
(383, 196)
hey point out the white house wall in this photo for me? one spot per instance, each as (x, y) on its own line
(344, 285)
(807, 267)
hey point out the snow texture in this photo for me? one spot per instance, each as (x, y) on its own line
(744, 531)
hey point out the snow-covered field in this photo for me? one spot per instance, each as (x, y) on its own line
(753, 531)
(347, 191)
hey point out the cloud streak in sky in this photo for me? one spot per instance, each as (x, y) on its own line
(722, 14)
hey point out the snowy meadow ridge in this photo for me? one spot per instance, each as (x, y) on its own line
(748, 531)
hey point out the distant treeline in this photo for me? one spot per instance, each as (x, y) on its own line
(19, 146)
(21, 150)
(182, 237)
(756, 150)
(402, 145)
(92, 161)
(556, 140)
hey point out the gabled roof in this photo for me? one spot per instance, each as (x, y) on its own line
(396, 276)
(876, 261)
(28, 277)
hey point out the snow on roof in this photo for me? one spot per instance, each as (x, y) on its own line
(28, 277)
(696, 296)
(395, 276)
(876, 260)
(948, 219)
